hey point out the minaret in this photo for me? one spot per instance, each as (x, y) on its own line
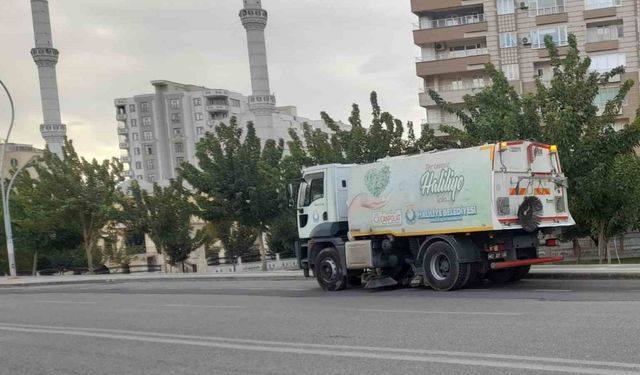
(261, 102)
(46, 57)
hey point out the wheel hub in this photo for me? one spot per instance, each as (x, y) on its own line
(440, 266)
(328, 269)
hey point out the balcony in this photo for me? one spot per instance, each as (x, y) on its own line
(217, 107)
(456, 61)
(445, 29)
(120, 102)
(419, 6)
(124, 145)
(549, 15)
(213, 93)
(600, 9)
(451, 93)
(128, 173)
(123, 130)
(125, 159)
(121, 117)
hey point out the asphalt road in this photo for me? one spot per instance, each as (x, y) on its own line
(292, 327)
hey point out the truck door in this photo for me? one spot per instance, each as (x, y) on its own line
(312, 203)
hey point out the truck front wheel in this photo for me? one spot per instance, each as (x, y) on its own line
(442, 269)
(328, 270)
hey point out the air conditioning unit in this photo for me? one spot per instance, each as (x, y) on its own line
(440, 47)
(525, 41)
(524, 5)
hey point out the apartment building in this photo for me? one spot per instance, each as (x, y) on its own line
(458, 37)
(159, 131)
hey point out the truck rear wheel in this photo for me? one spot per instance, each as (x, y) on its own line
(328, 270)
(442, 269)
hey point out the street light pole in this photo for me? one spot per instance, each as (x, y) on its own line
(5, 207)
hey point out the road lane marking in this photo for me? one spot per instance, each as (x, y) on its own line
(553, 290)
(331, 350)
(442, 312)
(202, 306)
(68, 302)
(508, 357)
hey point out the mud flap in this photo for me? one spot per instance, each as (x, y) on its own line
(380, 282)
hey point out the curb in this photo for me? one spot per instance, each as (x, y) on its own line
(120, 281)
(583, 276)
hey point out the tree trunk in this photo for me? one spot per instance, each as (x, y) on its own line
(263, 252)
(601, 242)
(577, 250)
(34, 270)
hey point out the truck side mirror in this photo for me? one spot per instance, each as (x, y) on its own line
(290, 195)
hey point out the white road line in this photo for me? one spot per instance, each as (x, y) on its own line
(442, 312)
(334, 347)
(68, 302)
(332, 352)
(553, 290)
(202, 306)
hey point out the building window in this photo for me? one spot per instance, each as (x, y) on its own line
(557, 33)
(136, 151)
(505, 6)
(139, 177)
(234, 102)
(605, 95)
(545, 7)
(148, 150)
(197, 102)
(178, 148)
(14, 163)
(177, 132)
(144, 107)
(175, 117)
(511, 71)
(147, 136)
(508, 40)
(150, 164)
(604, 33)
(199, 130)
(597, 4)
(146, 121)
(198, 116)
(134, 122)
(138, 165)
(175, 103)
(135, 136)
(132, 108)
(151, 178)
(605, 63)
(457, 84)
(179, 160)
(478, 81)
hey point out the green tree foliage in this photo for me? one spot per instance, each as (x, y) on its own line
(166, 215)
(237, 240)
(69, 195)
(237, 180)
(496, 113)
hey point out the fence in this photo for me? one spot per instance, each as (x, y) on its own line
(274, 263)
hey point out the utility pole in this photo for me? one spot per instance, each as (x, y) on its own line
(5, 196)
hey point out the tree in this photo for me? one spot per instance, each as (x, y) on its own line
(167, 214)
(238, 241)
(237, 181)
(494, 114)
(73, 194)
(596, 157)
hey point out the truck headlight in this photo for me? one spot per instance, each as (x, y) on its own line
(502, 206)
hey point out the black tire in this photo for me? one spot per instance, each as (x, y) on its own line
(328, 270)
(442, 269)
(520, 272)
(501, 276)
(473, 275)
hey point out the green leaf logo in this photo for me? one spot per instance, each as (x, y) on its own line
(377, 180)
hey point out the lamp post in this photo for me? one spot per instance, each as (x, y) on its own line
(5, 196)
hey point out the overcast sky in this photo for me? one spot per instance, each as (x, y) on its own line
(323, 55)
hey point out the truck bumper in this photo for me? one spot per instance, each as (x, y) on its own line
(525, 262)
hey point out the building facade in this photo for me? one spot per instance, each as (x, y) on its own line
(17, 156)
(159, 131)
(458, 37)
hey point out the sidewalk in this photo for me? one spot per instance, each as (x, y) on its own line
(586, 272)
